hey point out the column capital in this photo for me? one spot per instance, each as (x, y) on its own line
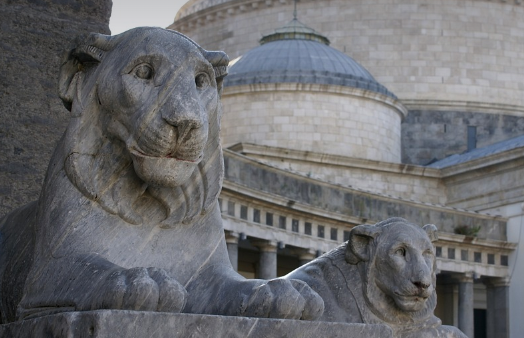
(493, 282)
(265, 246)
(231, 237)
(466, 277)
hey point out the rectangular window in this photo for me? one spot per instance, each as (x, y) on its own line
(321, 231)
(220, 204)
(334, 234)
(269, 219)
(307, 228)
(346, 235)
(464, 255)
(282, 222)
(451, 253)
(256, 215)
(243, 212)
(294, 225)
(230, 208)
(503, 260)
(491, 259)
(478, 257)
(438, 251)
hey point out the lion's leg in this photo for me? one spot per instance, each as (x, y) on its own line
(233, 295)
(91, 282)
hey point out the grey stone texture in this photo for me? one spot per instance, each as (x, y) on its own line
(498, 305)
(384, 274)
(137, 324)
(352, 202)
(33, 118)
(465, 305)
(429, 135)
(128, 216)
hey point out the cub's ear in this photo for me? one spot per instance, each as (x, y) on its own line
(219, 61)
(358, 248)
(88, 51)
(432, 232)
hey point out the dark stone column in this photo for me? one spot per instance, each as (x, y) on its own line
(232, 248)
(306, 256)
(465, 304)
(497, 307)
(267, 268)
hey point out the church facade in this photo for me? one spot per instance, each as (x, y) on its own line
(396, 108)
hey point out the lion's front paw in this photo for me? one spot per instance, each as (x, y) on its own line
(144, 289)
(280, 298)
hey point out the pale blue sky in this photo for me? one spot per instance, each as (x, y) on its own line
(128, 14)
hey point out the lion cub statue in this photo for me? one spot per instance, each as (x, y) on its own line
(128, 215)
(384, 274)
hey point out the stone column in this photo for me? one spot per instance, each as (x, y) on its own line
(267, 267)
(232, 248)
(305, 256)
(465, 304)
(497, 290)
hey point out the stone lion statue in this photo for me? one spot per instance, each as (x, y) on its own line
(384, 274)
(128, 215)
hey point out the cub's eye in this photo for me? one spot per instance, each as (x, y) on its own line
(400, 252)
(202, 80)
(143, 71)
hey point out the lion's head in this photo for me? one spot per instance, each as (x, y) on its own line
(397, 262)
(145, 122)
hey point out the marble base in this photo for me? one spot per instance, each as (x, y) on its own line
(136, 324)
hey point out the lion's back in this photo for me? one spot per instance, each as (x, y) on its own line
(16, 256)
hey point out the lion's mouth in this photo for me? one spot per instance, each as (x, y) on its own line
(420, 297)
(163, 171)
(175, 156)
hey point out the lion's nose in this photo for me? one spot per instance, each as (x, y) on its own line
(421, 285)
(185, 115)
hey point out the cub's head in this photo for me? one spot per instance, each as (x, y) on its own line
(398, 264)
(146, 99)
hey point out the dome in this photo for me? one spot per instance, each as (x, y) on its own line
(298, 54)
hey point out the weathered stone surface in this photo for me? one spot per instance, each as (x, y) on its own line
(33, 118)
(128, 218)
(384, 274)
(133, 324)
(353, 202)
(429, 135)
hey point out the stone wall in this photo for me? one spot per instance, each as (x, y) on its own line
(429, 134)
(444, 50)
(333, 120)
(34, 35)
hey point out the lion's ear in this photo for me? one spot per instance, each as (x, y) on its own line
(432, 232)
(88, 52)
(219, 61)
(359, 244)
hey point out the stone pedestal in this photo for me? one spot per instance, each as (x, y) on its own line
(232, 248)
(498, 307)
(135, 324)
(268, 259)
(465, 305)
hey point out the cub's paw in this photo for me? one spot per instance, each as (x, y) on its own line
(142, 289)
(281, 298)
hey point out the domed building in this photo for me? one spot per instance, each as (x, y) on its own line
(399, 108)
(295, 91)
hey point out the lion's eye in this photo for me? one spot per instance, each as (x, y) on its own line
(401, 252)
(144, 71)
(202, 80)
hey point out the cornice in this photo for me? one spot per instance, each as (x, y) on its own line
(465, 106)
(189, 16)
(330, 89)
